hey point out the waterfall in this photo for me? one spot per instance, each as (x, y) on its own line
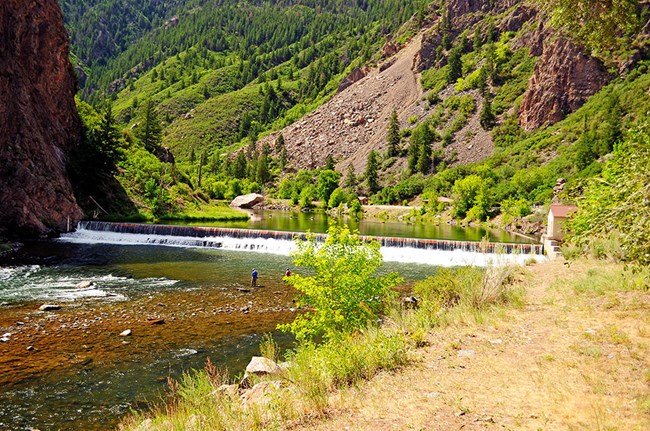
(437, 252)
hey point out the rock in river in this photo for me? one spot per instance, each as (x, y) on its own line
(49, 307)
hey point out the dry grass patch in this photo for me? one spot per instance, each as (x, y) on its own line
(571, 358)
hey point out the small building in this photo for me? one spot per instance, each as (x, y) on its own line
(557, 216)
(363, 200)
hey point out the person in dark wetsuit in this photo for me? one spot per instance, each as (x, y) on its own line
(254, 278)
(287, 273)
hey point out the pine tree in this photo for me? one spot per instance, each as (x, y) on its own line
(281, 149)
(350, 178)
(478, 40)
(240, 166)
(486, 117)
(329, 163)
(109, 140)
(150, 130)
(263, 173)
(392, 136)
(455, 66)
(371, 172)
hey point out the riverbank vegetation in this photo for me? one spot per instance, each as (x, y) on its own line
(212, 96)
(350, 329)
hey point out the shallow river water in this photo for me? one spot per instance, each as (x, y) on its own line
(70, 369)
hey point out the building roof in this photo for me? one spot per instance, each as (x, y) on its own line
(562, 210)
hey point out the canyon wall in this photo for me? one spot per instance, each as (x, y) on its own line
(39, 126)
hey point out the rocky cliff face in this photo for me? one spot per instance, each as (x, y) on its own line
(38, 120)
(563, 80)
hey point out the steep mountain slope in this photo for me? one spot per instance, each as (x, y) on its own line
(488, 96)
(353, 122)
(39, 126)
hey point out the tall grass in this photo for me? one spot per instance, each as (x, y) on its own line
(314, 372)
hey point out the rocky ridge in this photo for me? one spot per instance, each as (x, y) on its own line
(39, 126)
(354, 121)
(563, 80)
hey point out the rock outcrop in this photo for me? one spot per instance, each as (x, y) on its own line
(354, 121)
(562, 81)
(247, 201)
(39, 125)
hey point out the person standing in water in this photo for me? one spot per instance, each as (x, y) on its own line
(254, 278)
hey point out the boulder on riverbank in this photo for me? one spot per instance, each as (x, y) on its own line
(49, 307)
(247, 201)
(259, 366)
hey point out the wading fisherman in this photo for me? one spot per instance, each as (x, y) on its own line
(254, 278)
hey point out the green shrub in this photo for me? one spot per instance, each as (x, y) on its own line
(616, 202)
(344, 294)
(337, 197)
(471, 198)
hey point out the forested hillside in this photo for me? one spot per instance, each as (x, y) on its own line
(511, 97)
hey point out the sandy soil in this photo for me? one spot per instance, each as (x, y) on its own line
(567, 360)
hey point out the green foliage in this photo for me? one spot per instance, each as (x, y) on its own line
(516, 207)
(307, 196)
(471, 198)
(328, 181)
(486, 117)
(467, 288)
(149, 130)
(350, 178)
(329, 163)
(455, 70)
(404, 190)
(605, 26)
(616, 202)
(393, 137)
(420, 149)
(102, 145)
(344, 294)
(355, 206)
(371, 172)
(337, 197)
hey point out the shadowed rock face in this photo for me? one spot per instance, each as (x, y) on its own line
(39, 125)
(563, 80)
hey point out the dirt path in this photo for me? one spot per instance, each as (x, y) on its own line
(573, 358)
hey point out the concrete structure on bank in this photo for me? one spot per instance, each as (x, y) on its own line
(557, 216)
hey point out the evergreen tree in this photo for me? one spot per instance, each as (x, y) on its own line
(281, 150)
(421, 139)
(350, 178)
(585, 154)
(486, 117)
(371, 172)
(108, 141)
(329, 163)
(413, 154)
(150, 130)
(478, 40)
(263, 174)
(202, 161)
(392, 136)
(455, 66)
(611, 134)
(240, 166)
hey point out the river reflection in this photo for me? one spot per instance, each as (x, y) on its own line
(298, 221)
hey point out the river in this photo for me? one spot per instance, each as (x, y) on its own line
(70, 369)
